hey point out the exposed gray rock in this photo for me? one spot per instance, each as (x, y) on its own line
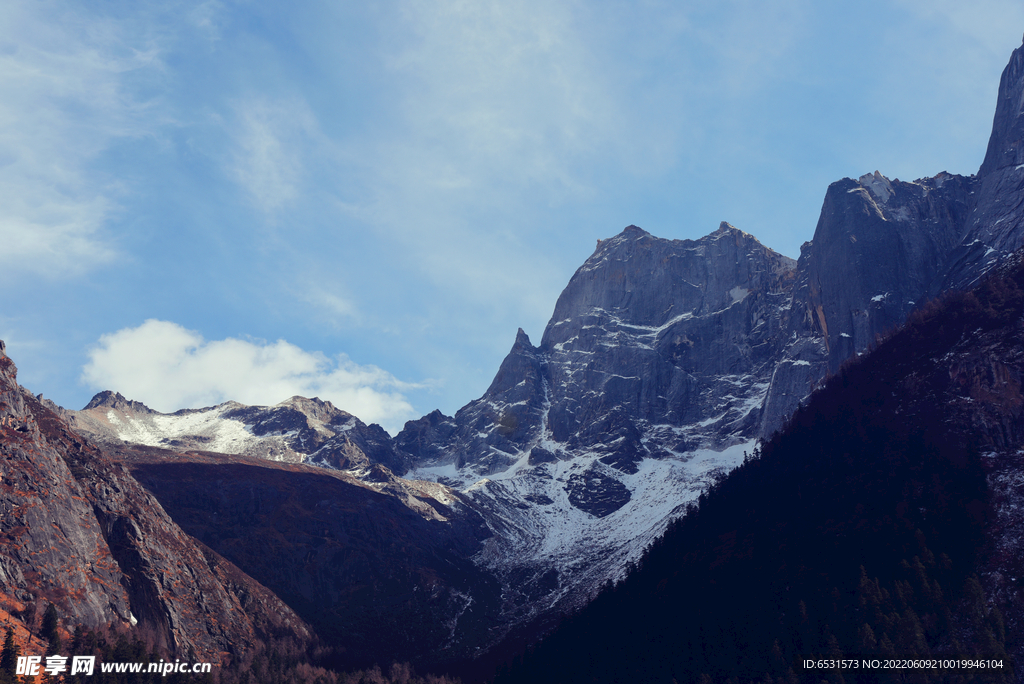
(650, 334)
(877, 251)
(1004, 145)
(596, 492)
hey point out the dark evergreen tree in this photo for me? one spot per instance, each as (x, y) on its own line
(49, 630)
(9, 657)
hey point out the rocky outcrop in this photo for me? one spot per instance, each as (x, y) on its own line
(114, 400)
(995, 227)
(651, 336)
(882, 248)
(1005, 148)
(78, 531)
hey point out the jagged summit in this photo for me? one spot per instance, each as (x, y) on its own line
(725, 228)
(114, 400)
(1004, 145)
(522, 340)
(878, 185)
(316, 408)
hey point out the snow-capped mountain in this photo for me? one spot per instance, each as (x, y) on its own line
(297, 430)
(646, 385)
(663, 363)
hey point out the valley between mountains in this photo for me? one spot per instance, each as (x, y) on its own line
(664, 366)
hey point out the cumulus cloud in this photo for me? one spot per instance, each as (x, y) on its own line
(169, 367)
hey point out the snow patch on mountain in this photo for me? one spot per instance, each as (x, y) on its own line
(224, 435)
(540, 534)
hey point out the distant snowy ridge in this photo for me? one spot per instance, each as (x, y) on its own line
(296, 430)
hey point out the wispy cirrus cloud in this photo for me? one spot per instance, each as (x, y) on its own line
(269, 142)
(65, 101)
(169, 367)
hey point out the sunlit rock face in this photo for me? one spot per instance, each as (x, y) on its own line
(78, 531)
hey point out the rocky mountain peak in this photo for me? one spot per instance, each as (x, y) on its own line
(317, 409)
(3, 349)
(878, 185)
(522, 341)
(645, 280)
(116, 401)
(1004, 145)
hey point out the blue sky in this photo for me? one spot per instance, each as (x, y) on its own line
(202, 201)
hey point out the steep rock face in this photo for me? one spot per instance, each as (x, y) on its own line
(646, 386)
(877, 251)
(995, 228)
(297, 430)
(80, 532)
(1004, 146)
(650, 336)
(52, 543)
(670, 333)
(664, 360)
(883, 247)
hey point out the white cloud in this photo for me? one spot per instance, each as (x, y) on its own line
(168, 367)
